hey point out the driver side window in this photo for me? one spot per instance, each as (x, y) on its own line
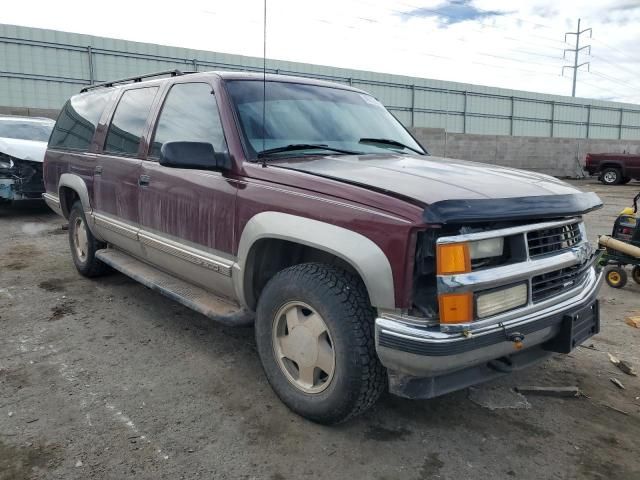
(189, 114)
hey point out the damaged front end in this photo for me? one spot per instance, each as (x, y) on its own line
(20, 179)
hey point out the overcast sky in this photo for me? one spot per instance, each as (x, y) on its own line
(504, 43)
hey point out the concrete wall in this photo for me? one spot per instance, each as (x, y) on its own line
(560, 157)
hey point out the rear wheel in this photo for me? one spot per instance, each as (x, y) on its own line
(315, 337)
(616, 277)
(84, 245)
(611, 176)
(635, 273)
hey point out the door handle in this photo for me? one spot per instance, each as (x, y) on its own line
(143, 180)
(98, 170)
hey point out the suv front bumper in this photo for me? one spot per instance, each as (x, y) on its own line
(425, 362)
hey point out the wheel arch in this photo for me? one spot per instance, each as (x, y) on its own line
(295, 238)
(70, 188)
(612, 164)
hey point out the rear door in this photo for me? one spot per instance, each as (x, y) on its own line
(186, 215)
(117, 170)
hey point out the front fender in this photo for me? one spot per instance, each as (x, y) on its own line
(355, 249)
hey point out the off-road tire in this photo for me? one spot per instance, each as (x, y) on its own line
(616, 277)
(90, 266)
(611, 176)
(341, 299)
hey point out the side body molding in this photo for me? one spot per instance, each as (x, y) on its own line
(357, 250)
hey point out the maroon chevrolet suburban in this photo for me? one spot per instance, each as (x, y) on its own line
(306, 209)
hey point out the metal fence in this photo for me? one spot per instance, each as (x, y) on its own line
(41, 68)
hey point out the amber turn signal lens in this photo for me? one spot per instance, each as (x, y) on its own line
(456, 307)
(453, 258)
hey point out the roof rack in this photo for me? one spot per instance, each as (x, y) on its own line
(138, 78)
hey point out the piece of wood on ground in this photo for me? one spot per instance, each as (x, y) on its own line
(614, 408)
(633, 321)
(617, 383)
(622, 365)
(571, 391)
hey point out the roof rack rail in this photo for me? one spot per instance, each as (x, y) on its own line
(137, 78)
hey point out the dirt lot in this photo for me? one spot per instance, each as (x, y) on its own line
(106, 379)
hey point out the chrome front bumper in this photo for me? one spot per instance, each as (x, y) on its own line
(428, 351)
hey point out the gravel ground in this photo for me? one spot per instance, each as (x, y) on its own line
(107, 379)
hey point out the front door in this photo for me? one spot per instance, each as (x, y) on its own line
(187, 216)
(117, 171)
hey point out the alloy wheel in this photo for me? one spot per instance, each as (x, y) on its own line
(303, 347)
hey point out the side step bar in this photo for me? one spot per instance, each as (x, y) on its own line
(191, 296)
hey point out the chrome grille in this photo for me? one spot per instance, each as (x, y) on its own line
(549, 240)
(554, 283)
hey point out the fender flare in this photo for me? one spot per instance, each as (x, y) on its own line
(78, 185)
(357, 250)
(612, 164)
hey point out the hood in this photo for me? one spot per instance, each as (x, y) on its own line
(431, 179)
(23, 149)
(455, 191)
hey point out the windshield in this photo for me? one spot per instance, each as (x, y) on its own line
(314, 115)
(25, 129)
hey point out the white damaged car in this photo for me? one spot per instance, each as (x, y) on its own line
(23, 142)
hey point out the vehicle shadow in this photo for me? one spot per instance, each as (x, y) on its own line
(24, 208)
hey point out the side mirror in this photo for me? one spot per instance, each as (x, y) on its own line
(196, 155)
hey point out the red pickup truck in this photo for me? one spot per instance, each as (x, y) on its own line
(613, 168)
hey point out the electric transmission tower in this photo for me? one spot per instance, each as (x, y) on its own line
(576, 52)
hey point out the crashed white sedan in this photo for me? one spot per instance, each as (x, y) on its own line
(23, 141)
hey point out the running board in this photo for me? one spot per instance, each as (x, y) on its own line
(189, 295)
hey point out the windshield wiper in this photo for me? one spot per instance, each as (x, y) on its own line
(302, 146)
(388, 141)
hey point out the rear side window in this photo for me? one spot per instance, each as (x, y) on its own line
(129, 120)
(78, 120)
(189, 114)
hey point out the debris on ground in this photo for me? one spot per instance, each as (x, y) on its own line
(617, 383)
(633, 321)
(622, 365)
(590, 347)
(614, 409)
(571, 391)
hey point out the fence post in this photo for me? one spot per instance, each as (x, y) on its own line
(464, 114)
(511, 116)
(620, 127)
(92, 77)
(195, 65)
(588, 120)
(413, 105)
(553, 117)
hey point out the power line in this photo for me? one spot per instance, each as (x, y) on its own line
(576, 52)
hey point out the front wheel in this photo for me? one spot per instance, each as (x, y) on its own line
(84, 245)
(315, 337)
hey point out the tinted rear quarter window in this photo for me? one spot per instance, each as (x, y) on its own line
(129, 119)
(78, 120)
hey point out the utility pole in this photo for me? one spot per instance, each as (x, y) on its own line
(576, 51)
